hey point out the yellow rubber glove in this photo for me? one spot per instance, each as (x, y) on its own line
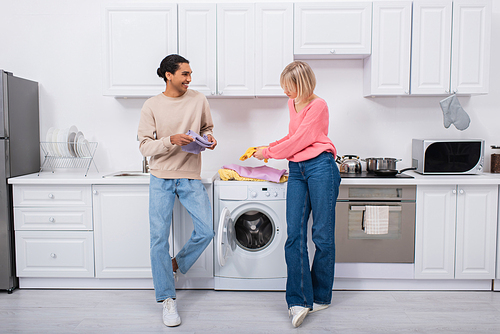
(249, 153)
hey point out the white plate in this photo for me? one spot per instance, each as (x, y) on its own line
(85, 147)
(73, 130)
(48, 140)
(62, 138)
(81, 147)
(76, 144)
(54, 143)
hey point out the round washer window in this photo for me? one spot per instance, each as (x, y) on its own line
(254, 231)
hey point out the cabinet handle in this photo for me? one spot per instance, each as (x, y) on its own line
(51, 219)
(51, 195)
(407, 92)
(332, 51)
(95, 192)
(447, 91)
(455, 91)
(461, 191)
(53, 255)
(454, 191)
(213, 93)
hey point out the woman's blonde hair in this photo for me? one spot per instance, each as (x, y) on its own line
(298, 76)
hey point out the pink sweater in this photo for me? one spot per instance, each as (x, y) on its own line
(307, 134)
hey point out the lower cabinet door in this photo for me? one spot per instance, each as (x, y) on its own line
(121, 228)
(55, 254)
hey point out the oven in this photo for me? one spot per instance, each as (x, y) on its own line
(394, 207)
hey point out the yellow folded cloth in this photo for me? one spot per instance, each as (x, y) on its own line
(249, 153)
(229, 175)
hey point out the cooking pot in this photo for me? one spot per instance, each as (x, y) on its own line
(349, 164)
(373, 164)
(392, 172)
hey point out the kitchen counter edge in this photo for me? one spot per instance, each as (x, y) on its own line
(208, 177)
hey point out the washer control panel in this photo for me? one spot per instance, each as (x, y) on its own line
(266, 192)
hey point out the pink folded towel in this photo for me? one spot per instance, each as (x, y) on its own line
(261, 172)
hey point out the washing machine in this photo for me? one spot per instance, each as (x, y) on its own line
(250, 226)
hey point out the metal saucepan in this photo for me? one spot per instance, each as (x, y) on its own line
(373, 164)
(391, 172)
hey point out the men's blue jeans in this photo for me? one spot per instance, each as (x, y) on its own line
(312, 185)
(194, 198)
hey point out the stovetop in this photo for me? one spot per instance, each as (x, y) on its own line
(373, 175)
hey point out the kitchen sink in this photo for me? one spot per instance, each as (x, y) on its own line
(127, 174)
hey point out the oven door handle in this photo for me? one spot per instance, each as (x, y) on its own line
(363, 208)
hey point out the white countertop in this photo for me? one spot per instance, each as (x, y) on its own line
(64, 177)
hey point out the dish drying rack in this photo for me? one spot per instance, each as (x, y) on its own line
(65, 155)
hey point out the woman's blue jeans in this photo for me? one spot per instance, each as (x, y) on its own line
(312, 185)
(194, 198)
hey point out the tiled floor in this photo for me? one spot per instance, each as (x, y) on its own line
(208, 311)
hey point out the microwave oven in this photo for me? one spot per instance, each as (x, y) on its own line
(455, 156)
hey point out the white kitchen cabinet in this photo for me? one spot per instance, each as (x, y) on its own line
(387, 70)
(455, 235)
(201, 274)
(333, 29)
(236, 49)
(136, 38)
(54, 254)
(450, 47)
(197, 43)
(53, 231)
(274, 45)
(121, 231)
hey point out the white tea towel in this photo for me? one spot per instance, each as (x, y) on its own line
(376, 219)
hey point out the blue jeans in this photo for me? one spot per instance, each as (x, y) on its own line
(312, 185)
(194, 198)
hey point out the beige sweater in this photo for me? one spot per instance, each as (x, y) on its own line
(166, 116)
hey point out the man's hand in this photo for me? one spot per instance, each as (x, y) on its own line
(212, 140)
(181, 139)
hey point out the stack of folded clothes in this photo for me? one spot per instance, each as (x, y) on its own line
(261, 173)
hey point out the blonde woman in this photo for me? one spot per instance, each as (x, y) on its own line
(313, 185)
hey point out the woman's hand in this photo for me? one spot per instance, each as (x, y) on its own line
(212, 140)
(259, 154)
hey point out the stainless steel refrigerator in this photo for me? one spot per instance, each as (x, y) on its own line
(19, 155)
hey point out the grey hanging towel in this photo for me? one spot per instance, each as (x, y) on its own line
(453, 113)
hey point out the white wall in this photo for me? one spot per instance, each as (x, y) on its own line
(59, 44)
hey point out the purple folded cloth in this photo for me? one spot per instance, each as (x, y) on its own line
(199, 144)
(261, 172)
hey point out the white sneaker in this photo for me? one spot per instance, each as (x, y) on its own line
(318, 307)
(170, 316)
(298, 314)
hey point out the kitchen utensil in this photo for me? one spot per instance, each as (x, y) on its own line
(391, 172)
(373, 164)
(495, 160)
(349, 164)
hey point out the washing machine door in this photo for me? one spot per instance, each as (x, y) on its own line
(226, 237)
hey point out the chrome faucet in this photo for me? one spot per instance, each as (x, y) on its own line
(145, 165)
(145, 162)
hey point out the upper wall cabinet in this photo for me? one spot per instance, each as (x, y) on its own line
(254, 44)
(136, 38)
(333, 29)
(197, 42)
(274, 40)
(235, 48)
(387, 70)
(450, 47)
